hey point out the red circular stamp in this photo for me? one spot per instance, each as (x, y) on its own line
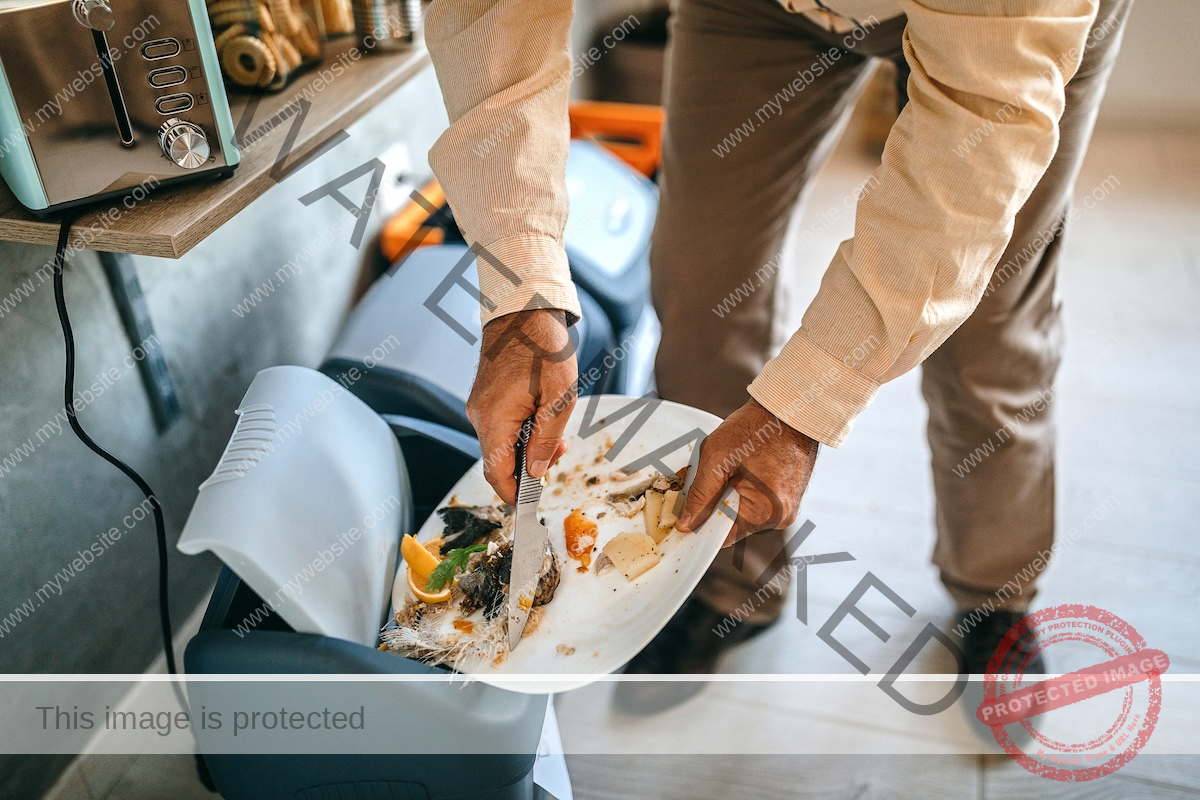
(1108, 710)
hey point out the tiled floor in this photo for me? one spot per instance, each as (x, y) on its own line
(1128, 398)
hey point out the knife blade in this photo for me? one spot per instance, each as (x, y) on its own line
(529, 542)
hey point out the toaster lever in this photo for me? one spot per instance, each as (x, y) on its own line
(94, 14)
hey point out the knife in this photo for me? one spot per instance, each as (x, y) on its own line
(529, 542)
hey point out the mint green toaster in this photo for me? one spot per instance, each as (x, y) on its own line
(102, 99)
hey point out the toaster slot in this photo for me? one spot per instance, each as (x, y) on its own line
(173, 103)
(160, 48)
(167, 76)
(115, 96)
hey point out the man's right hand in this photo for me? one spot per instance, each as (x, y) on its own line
(501, 398)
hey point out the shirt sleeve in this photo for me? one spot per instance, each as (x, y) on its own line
(981, 126)
(504, 69)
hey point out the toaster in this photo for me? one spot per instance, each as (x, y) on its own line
(104, 98)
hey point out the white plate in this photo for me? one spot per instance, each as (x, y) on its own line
(606, 619)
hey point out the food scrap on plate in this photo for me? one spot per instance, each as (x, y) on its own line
(458, 580)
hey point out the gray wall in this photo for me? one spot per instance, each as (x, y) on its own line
(57, 500)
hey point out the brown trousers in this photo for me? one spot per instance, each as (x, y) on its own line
(723, 217)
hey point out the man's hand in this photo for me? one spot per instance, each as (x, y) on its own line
(767, 462)
(522, 351)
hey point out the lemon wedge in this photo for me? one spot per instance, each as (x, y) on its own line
(419, 560)
(420, 593)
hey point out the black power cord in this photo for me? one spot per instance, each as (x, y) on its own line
(160, 528)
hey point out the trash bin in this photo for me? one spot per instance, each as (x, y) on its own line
(307, 462)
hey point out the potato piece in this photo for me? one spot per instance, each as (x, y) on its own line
(668, 517)
(632, 553)
(652, 512)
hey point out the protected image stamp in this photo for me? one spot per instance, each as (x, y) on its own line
(1106, 733)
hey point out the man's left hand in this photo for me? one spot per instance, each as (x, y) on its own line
(767, 462)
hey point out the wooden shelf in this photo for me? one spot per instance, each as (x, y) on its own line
(174, 220)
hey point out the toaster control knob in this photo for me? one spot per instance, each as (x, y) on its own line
(183, 143)
(94, 14)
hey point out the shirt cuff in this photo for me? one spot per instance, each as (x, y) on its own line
(522, 272)
(812, 391)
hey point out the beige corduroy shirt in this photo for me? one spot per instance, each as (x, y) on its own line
(986, 74)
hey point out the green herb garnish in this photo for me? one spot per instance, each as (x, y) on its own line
(454, 561)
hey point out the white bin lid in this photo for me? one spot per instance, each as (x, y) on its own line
(306, 504)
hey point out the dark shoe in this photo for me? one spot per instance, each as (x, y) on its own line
(985, 636)
(688, 645)
(979, 644)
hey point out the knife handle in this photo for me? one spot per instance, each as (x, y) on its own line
(528, 487)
